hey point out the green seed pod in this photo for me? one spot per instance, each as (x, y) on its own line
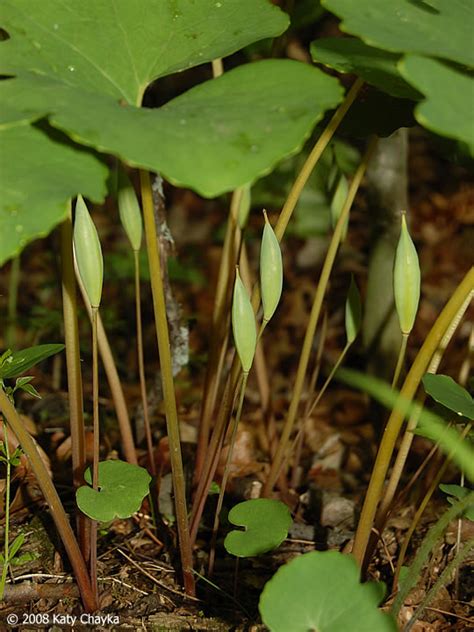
(88, 253)
(338, 200)
(353, 312)
(243, 324)
(271, 271)
(406, 279)
(129, 211)
(244, 207)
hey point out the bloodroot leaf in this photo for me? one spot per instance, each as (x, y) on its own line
(122, 488)
(266, 525)
(321, 591)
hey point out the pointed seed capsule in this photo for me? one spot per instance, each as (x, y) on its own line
(129, 211)
(406, 279)
(88, 253)
(243, 324)
(271, 271)
(353, 312)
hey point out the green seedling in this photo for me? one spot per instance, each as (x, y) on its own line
(14, 556)
(456, 492)
(122, 488)
(430, 425)
(412, 575)
(322, 591)
(266, 523)
(444, 390)
(14, 363)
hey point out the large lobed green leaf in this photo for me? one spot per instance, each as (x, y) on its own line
(415, 36)
(38, 175)
(437, 28)
(449, 106)
(215, 137)
(118, 47)
(85, 64)
(322, 591)
(377, 67)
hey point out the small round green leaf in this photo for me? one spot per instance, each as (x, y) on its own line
(353, 312)
(243, 325)
(271, 271)
(321, 591)
(122, 488)
(88, 253)
(266, 525)
(129, 211)
(406, 279)
(444, 390)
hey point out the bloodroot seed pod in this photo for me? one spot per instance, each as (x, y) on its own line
(243, 324)
(271, 271)
(353, 312)
(129, 211)
(88, 253)
(406, 279)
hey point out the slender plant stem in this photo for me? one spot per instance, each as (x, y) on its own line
(219, 331)
(51, 496)
(141, 363)
(73, 360)
(313, 158)
(6, 537)
(73, 369)
(419, 512)
(220, 500)
(161, 323)
(217, 67)
(400, 360)
(442, 580)
(329, 379)
(405, 445)
(314, 318)
(424, 550)
(297, 447)
(113, 379)
(13, 284)
(284, 218)
(96, 447)
(215, 445)
(395, 421)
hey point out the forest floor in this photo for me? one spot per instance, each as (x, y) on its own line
(137, 562)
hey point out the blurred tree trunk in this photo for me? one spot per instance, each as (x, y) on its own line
(388, 195)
